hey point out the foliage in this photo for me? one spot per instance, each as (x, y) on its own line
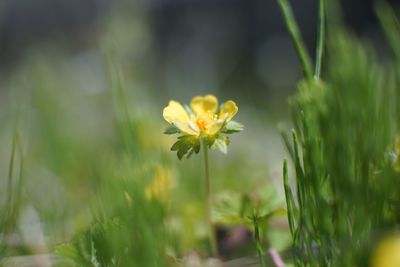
(341, 147)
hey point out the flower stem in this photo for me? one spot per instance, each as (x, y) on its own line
(211, 229)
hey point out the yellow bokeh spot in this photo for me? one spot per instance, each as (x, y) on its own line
(160, 187)
(387, 253)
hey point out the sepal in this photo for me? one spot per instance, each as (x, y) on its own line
(186, 145)
(232, 127)
(171, 130)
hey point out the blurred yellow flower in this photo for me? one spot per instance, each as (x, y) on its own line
(160, 187)
(387, 253)
(203, 117)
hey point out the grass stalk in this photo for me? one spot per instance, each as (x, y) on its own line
(391, 26)
(10, 181)
(260, 250)
(320, 39)
(289, 198)
(293, 28)
(211, 229)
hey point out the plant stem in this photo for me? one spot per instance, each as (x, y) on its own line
(260, 250)
(7, 223)
(297, 40)
(321, 39)
(211, 229)
(289, 199)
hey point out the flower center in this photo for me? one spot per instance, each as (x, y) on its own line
(202, 124)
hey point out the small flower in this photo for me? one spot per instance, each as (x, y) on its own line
(202, 120)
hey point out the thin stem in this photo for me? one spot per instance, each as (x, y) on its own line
(260, 250)
(391, 26)
(289, 199)
(297, 40)
(211, 229)
(9, 207)
(321, 39)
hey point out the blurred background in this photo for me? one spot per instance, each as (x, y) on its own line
(189, 47)
(58, 62)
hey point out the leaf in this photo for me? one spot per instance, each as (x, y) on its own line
(185, 144)
(279, 212)
(171, 130)
(177, 145)
(196, 147)
(221, 144)
(233, 127)
(183, 150)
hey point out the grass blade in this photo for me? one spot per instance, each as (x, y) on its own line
(297, 39)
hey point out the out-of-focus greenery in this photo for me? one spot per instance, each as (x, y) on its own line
(344, 153)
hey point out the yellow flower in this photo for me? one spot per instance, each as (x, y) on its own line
(203, 117)
(160, 186)
(387, 253)
(201, 121)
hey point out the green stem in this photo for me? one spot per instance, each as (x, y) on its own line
(211, 229)
(297, 40)
(9, 207)
(321, 39)
(260, 250)
(289, 199)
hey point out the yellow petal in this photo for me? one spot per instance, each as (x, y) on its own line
(204, 105)
(174, 113)
(228, 110)
(215, 127)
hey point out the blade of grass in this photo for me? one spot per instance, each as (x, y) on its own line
(391, 26)
(10, 207)
(320, 40)
(296, 37)
(289, 198)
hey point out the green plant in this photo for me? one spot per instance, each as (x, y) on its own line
(344, 133)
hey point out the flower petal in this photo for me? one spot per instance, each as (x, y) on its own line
(202, 105)
(215, 127)
(175, 113)
(228, 110)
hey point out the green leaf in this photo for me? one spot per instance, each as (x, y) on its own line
(221, 144)
(171, 130)
(233, 127)
(196, 147)
(185, 144)
(183, 150)
(177, 145)
(279, 212)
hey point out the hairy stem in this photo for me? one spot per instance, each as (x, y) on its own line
(211, 229)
